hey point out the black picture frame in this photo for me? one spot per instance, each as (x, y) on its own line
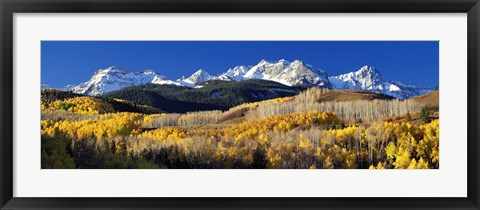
(9, 7)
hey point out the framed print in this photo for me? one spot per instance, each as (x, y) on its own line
(239, 105)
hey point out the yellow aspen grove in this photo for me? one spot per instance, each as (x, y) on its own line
(79, 105)
(298, 132)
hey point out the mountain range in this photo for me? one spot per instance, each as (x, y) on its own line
(296, 73)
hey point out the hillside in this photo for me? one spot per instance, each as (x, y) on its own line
(351, 95)
(50, 96)
(430, 100)
(86, 132)
(213, 95)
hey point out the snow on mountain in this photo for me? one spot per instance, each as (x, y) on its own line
(289, 73)
(197, 78)
(282, 71)
(368, 78)
(234, 74)
(115, 78)
(68, 87)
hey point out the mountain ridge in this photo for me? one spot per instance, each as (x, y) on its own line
(296, 73)
(369, 78)
(215, 95)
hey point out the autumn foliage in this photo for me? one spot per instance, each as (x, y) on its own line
(299, 138)
(79, 105)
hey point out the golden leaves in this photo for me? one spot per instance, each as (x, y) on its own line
(79, 105)
(313, 139)
(108, 126)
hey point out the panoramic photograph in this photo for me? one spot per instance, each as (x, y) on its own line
(240, 105)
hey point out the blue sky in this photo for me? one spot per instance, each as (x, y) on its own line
(73, 62)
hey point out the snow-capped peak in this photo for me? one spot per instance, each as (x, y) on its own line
(110, 69)
(234, 74)
(200, 73)
(368, 71)
(282, 71)
(368, 68)
(263, 61)
(366, 77)
(273, 62)
(288, 73)
(116, 78)
(197, 78)
(149, 71)
(298, 62)
(369, 78)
